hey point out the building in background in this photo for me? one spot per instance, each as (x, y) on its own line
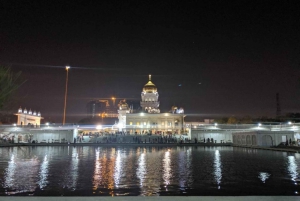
(102, 108)
(101, 111)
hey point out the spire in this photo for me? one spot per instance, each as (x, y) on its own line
(149, 77)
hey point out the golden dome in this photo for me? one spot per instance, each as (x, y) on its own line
(150, 87)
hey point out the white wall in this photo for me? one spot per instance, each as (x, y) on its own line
(41, 135)
(225, 136)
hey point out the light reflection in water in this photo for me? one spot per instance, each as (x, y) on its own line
(292, 168)
(10, 171)
(74, 167)
(71, 175)
(264, 176)
(118, 169)
(97, 172)
(109, 168)
(141, 170)
(21, 175)
(184, 167)
(217, 167)
(181, 164)
(167, 168)
(189, 166)
(125, 170)
(43, 173)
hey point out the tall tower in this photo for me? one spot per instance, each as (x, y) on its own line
(278, 111)
(149, 96)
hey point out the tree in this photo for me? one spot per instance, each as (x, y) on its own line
(246, 120)
(222, 120)
(9, 83)
(232, 120)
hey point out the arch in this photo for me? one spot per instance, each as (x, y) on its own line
(253, 140)
(234, 139)
(239, 139)
(248, 140)
(267, 140)
(243, 139)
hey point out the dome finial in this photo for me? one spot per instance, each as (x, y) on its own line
(149, 77)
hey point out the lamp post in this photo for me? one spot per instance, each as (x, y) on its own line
(66, 92)
(113, 99)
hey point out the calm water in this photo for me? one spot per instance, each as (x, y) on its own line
(119, 171)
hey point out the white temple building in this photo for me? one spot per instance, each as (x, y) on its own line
(150, 120)
(26, 118)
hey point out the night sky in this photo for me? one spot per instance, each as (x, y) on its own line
(213, 58)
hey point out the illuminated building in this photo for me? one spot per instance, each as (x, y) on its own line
(149, 96)
(28, 117)
(150, 120)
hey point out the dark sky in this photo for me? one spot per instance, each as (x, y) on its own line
(242, 53)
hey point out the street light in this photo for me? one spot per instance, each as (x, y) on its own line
(66, 92)
(113, 99)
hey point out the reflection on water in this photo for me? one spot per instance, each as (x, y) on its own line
(97, 178)
(118, 169)
(146, 171)
(217, 166)
(43, 173)
(167, 168)
(10, 172)
(17, 174)
(74, 167)
(141, 170)
(292, 168)
(70, 174)
(293, 171)
(264, 176)
(185, 169)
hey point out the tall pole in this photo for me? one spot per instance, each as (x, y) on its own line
(66, 92)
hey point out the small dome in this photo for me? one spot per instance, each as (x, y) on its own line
(34, 113)
(30, 112)
(123, 105)
(39, 114)
(150, 87)
(25, 111)
(20, 110)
